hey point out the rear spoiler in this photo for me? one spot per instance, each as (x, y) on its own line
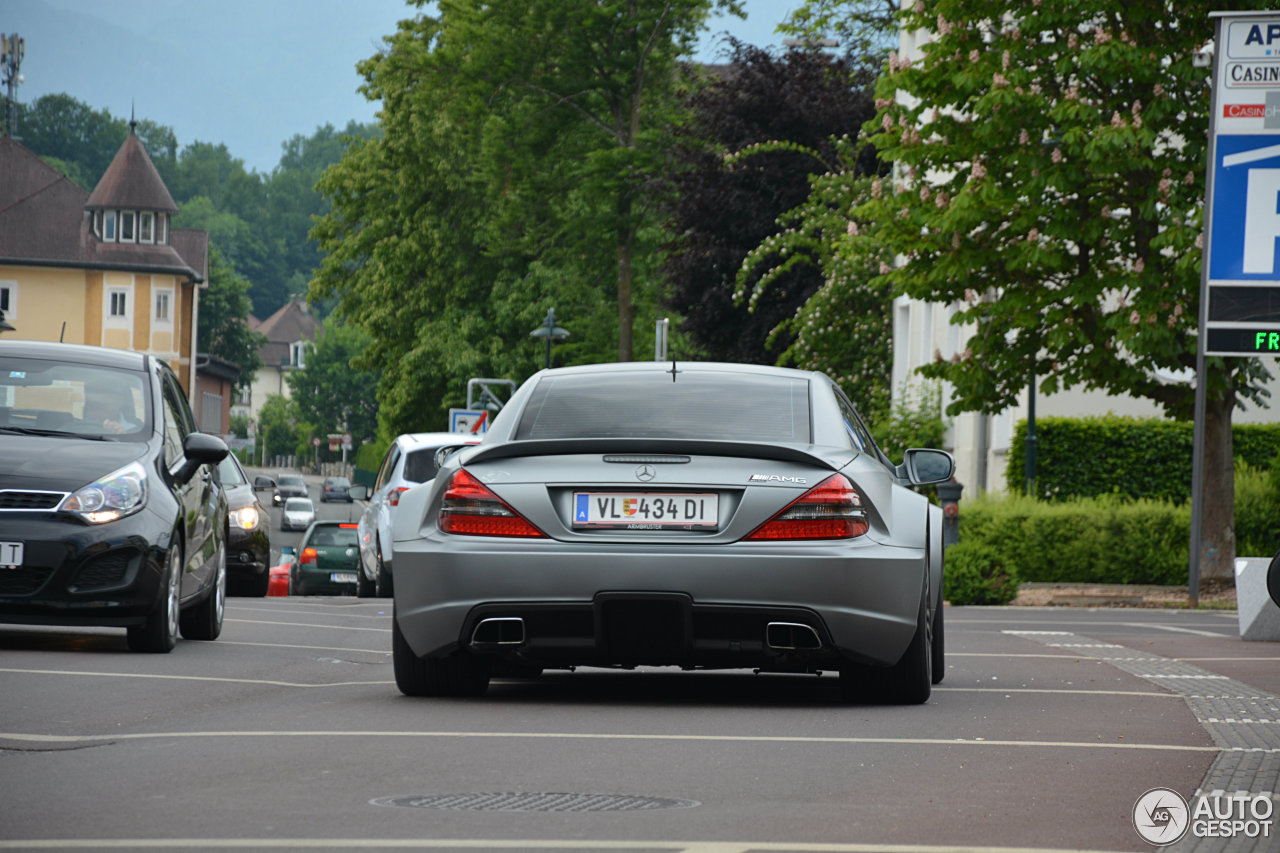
(809, 454)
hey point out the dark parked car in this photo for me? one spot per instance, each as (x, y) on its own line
(335, 489)
(694, 515)
(289, 486)
(109, 514)
(248, 542)
(328, 559)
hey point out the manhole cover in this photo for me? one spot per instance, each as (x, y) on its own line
(536, 802)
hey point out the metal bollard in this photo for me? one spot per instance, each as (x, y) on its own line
(949, 494)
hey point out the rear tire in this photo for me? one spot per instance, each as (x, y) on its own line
(939, 663)
(159, 634)
(909, 681)
(364, 586)
(457, 675)
(384, 585)
(204, 620)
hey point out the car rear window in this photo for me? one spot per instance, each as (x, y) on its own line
(420, 465)
(698, 405)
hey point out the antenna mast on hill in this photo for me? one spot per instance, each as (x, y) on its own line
(12, 49)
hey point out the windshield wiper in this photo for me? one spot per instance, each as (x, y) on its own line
(57, 433)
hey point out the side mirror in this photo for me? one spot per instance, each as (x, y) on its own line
(358, 493)
(443, 453)
(922, 466)
(1273, 579)
(287, 549)
(200, 448)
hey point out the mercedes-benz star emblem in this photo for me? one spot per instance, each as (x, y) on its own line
(646, 473)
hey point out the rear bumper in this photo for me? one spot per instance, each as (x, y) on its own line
(665, 605)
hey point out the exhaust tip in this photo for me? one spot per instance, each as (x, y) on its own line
(791, 636)
(500, 631)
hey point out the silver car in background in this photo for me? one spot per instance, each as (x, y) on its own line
(692, 515)
(410, 461)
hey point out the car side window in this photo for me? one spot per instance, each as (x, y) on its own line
(388, 465)
(177, 422)
(859, 436)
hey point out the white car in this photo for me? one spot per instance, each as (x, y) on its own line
(410, 461)
(298, 514)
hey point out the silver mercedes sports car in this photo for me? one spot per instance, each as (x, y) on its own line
(688, 514)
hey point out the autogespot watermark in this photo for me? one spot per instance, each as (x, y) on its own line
(1162, 816)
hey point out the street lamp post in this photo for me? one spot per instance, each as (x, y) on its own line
(549, 332)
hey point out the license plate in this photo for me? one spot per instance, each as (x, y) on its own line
(10, 555)
(646, 510)
(342, 577)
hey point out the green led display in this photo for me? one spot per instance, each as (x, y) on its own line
(1254, 341)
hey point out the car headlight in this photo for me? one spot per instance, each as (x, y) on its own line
(119, 494)
(245, 518)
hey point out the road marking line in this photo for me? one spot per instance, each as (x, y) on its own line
(1156, 747)
(309, 625)
(509, 844)
(1140, 693)
(222, 642)
(190, 678)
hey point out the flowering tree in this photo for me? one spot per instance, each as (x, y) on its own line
(1049, 161)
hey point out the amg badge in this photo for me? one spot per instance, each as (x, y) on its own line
(776, 478)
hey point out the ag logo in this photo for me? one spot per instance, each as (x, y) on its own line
(1161, 816)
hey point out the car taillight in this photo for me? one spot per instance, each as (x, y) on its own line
(830, 510)
(308, 556)
(470, 509)
(393, 496)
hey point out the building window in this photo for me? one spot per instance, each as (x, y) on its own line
(298, 354)
(146, 227)
(162, 306)
(96, 221)
(126, 226)
(109, 226)
(9, 299)
(119, 303)
(162, 228)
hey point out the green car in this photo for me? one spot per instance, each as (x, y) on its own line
(328, 559)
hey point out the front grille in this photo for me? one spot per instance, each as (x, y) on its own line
(109, 570)
(13, 499)
(23, 580)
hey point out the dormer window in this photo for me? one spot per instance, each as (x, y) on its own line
(127, 218)
(131, 226)
(146, 227)
(162, 228)
(109, 226)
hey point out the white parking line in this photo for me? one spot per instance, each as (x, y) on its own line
(611, 736)
(189, 678)
(308, 625)
(505, 844)
(222, 642)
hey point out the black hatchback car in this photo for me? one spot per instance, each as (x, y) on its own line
(110, 513)
(248, 542)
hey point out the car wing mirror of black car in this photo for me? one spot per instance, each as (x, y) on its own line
(358, 493)
(1273, 579)
(200, 448)
(922, 466)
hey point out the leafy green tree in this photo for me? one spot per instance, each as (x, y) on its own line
(61, 128)
(278, 425)
(509, 179)
(723, 207)
(223, 321)
(1051, 162)
(329, 392)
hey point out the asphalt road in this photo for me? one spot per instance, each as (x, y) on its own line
(288, 733)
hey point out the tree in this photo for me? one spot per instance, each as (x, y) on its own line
(1051, 161)
(329, 392)
(61, 128)
(278, 425)
(223, 325)
(510, 178)
(723, 207)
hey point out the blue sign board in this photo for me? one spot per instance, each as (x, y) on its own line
(1246, 209)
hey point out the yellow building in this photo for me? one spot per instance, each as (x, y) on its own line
(101, 268)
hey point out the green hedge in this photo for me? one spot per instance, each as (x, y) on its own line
(1104, 539)
(1134, 457)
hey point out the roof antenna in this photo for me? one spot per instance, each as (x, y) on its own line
(673, 370)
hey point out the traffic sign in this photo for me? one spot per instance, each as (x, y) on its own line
(472, 421)
(1241, 283)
